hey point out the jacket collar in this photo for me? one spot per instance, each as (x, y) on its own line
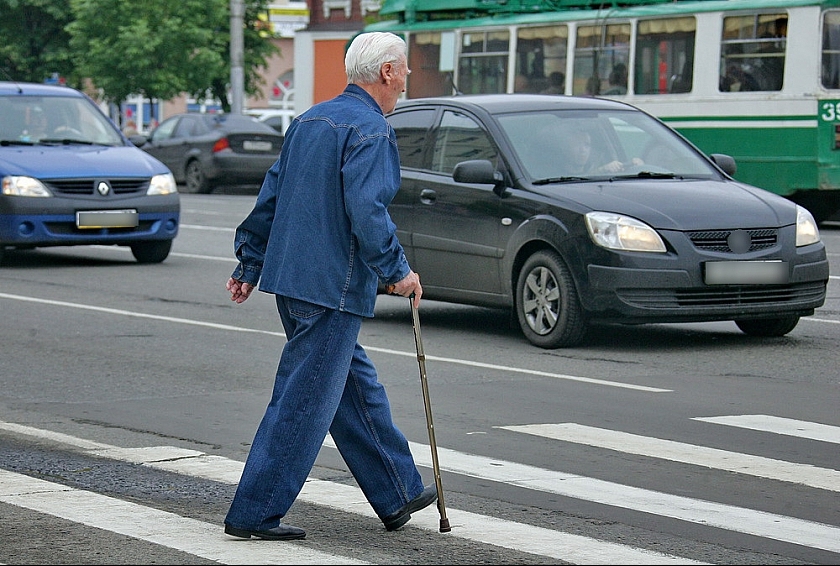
(361, 94)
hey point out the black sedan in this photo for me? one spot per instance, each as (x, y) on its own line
(576, 211)
(205, 151)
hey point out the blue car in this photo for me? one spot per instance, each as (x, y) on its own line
(69, 177)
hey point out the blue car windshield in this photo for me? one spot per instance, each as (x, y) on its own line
(52, 120)
(574, 145)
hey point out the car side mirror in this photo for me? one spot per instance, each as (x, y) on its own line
(479, 171)
(725, 162)
(138, 139)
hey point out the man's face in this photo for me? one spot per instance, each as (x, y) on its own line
(397, 73)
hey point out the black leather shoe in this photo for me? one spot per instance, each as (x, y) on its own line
(396, 520)
(280, 532)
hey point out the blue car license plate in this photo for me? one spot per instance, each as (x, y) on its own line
(107, 219)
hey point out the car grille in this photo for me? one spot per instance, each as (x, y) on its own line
(81, 187)
(716, 240)
(724, 296)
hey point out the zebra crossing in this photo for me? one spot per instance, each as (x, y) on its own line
(206, 540)
(757, 466)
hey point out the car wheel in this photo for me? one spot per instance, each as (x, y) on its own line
(151, 252)
(768, 326)
(195, 180)
(547, 304)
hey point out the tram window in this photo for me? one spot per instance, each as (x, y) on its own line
(540, 51)
(665, 55)
(424, 52)
(482, 67)
(598, 51)
(753, 52)
(831, 49)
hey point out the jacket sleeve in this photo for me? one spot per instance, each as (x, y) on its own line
(251, 236)
(372, 178)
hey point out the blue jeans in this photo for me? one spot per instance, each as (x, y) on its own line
(324, 382)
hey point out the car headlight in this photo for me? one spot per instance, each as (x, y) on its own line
(20, 186)
(806, 228)
(162, 185)
(616, 232)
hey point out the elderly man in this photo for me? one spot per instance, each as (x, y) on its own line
(320, 239)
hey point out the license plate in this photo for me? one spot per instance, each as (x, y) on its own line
(107, 219)
(746, 272)
(256, 145)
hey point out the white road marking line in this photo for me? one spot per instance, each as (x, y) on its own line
(729, 517)
(159, 527)
(227, 327)
(738, 519)
(471, 526)
(209, 228)
(125, 250)
(779, 425)
(805, 474)
(489, 530)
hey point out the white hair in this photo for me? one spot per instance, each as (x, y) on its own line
(368, 52)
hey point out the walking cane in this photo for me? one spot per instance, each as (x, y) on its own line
(421, 360)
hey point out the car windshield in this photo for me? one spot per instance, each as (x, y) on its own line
(580, 145)
(51, 120)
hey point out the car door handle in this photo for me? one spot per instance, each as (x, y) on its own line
(428, 196)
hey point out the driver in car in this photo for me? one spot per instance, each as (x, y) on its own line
(581, 160)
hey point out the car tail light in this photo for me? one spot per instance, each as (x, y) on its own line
(221, 145)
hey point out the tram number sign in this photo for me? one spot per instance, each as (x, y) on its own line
(830, 110)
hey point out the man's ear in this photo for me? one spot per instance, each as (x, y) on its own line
(386, 72)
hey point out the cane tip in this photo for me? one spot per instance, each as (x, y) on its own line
(444, 526)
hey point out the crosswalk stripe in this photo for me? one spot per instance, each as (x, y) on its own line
(805, 474)
(159, 527)
(471, 526)
(489, 530)
(779, 425)
(737, 519)
(479, 528)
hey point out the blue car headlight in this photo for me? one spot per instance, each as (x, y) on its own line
(162, 185)
(21, 186)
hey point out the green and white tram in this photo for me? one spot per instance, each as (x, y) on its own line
(756, 79)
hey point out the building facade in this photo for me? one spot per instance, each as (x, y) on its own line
(319, 48)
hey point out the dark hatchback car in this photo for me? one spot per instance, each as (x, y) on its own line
(68, 177)
(205, 151)
(575, 211)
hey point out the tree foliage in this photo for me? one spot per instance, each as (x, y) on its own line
(256, 51)
(35, 44)
(155, 48)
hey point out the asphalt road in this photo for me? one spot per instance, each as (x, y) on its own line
(129, 395)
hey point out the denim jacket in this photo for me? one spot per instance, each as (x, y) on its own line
(320, 229)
